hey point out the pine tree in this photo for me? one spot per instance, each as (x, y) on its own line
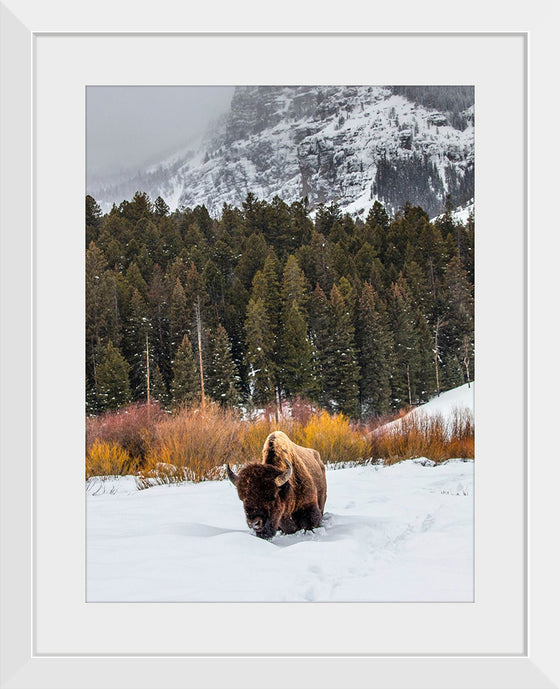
(135, 280)
(348, 293)
(458, 335)
(177, 271)
(320, 331)
(252, 259)
(102, 319)
(185, 388)
(294, 348)
(266, 286)
(259, 356)
(93, 219)
(314, 260)
(252, 212)
(170, 240)
(160, 207)
(180, 316)
(195, 246)
(150, 236)
(222, 377)
(341, 372)
(277, 225)
(195, 286)
(375, 354)
(302, 226)
(137, 331)
(295, 353)
(431, 255)
(377, 225)
(326, 217)
(99, 296)
(139, 207)
(294, 286)
(158, 388)
(468, 240)
(341, 261)
(419, 288)
(424, 374)
(451, 371)
(113, 387)
(364, 260)
(158, 296)
(403, 326)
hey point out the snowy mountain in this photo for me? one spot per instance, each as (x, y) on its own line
(349, 144)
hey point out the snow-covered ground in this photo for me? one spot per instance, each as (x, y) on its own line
(398, 533)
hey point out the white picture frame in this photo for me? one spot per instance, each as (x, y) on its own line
(38, 625)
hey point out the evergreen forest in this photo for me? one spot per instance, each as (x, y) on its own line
(270, 302)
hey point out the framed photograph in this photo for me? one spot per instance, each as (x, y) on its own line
(52, 635)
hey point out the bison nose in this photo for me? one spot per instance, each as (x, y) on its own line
(256, 524)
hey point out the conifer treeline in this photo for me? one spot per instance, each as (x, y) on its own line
(361, 317)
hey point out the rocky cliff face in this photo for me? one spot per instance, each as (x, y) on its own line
(349, 144)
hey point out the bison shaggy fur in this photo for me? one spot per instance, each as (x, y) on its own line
(285, 491)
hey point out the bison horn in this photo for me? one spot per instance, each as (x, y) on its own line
(285, 476)
(231, 475)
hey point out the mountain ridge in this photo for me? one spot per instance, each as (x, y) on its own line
(353, 145)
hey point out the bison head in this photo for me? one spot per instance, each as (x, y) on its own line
(263, 490)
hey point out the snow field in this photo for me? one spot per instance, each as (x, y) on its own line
(397, 533)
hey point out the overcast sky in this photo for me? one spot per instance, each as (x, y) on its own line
(128, 126)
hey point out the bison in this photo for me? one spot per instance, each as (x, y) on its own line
(286, 490)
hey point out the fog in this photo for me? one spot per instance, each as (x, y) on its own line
(128, 127)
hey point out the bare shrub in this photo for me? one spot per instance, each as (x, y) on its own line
(132, 427)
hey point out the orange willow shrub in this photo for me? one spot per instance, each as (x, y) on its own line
(334, 438)
(108, 459)
(422, 435)
(196, 442)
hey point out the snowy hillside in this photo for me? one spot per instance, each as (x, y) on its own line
(447, 402)
(349, 144)
(446, 406)
(397, 533)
